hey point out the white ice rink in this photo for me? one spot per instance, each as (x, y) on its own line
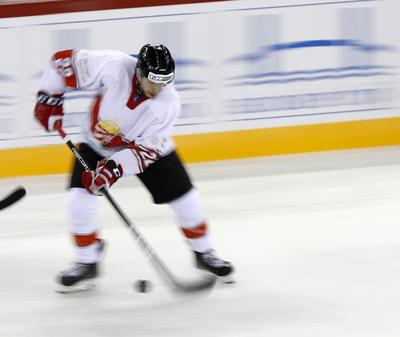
(315, 239)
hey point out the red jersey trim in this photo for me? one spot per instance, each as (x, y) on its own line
(95, 113)
(132, 104)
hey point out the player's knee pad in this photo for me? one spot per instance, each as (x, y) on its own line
(82, 210)
(188, 210)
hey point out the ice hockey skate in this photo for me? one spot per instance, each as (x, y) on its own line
(81, 276)
(210, 262)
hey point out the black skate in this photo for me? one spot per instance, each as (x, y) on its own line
(80, 276)
(210, 262)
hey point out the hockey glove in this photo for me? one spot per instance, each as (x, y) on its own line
(106, 174)
(49, 110)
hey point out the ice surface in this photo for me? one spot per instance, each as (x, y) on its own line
(315, 239)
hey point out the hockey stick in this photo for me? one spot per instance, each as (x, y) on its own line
(11, 198)
(178, 285)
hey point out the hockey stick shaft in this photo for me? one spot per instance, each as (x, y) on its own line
(14, 196)
(146, 247)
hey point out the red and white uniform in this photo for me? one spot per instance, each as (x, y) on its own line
(134, 131)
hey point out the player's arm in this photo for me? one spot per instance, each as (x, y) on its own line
(71, 69)
(58, 75)
(130, 161)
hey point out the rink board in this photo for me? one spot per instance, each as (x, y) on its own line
(226, 145)
(283, 76)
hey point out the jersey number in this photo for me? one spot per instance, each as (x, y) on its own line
(63, 62)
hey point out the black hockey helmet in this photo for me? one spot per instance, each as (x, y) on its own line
(156, 63)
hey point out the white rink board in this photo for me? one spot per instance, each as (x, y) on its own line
(240, 64)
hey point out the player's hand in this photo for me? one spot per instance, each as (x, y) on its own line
(105, 175)
(49, 110)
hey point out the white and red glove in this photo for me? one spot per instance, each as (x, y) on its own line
(49, 110)
(106, 174)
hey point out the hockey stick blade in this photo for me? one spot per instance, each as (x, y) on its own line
(205, 284)
(12, 197)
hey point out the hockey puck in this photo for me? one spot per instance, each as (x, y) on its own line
(142, 286)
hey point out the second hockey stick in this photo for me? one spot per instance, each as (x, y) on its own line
(11, 198)
(178, 285)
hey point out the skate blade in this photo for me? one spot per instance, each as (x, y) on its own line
(80, 287)
(228, 279)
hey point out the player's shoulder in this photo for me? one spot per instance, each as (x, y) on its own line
(112, 63)
(114, 57)
(104, 53)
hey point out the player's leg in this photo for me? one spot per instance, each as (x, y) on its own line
(192, 221)
(168, 182)
(82, 211)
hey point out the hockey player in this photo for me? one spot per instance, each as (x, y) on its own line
(127, 132)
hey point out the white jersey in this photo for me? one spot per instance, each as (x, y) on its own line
(132, 130)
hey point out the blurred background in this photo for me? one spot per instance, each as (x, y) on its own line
(275, 77)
